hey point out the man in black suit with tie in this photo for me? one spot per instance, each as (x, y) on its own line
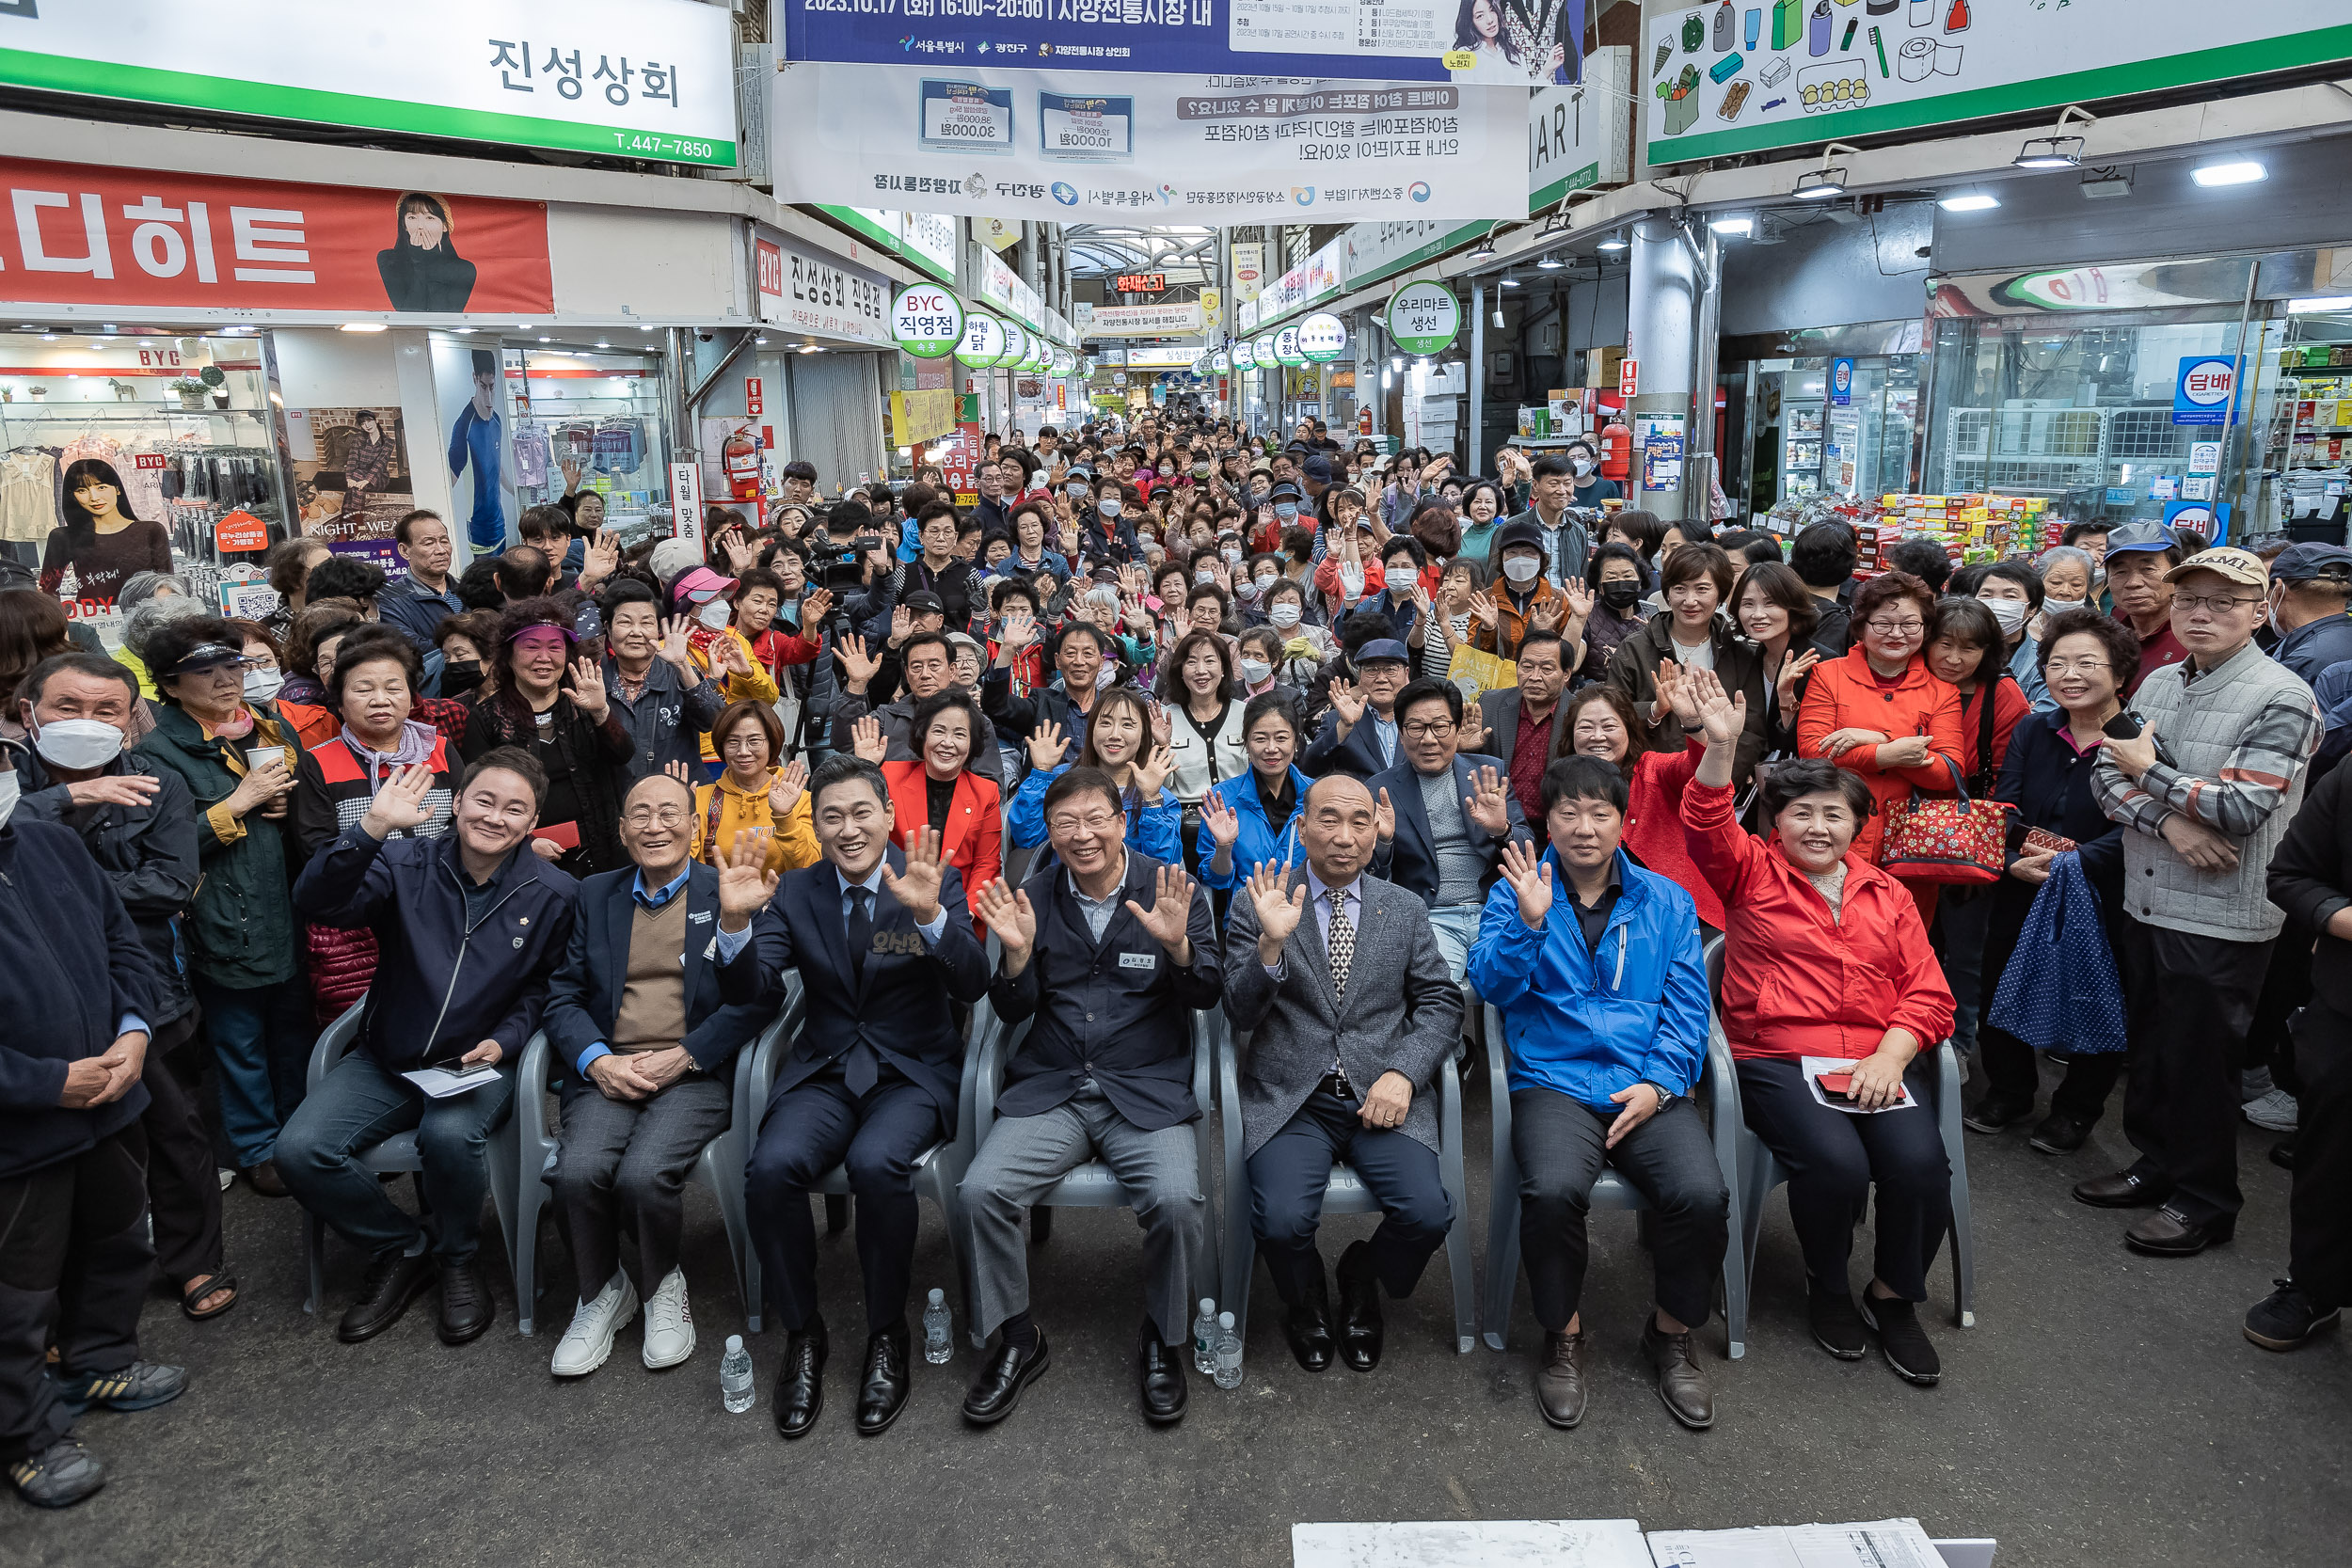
(872, 1079)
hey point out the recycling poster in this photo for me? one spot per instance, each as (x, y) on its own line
(1729, 76)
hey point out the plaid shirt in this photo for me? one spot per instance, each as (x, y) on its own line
(2278, 739)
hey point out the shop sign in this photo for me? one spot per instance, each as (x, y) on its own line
(1141, 283)
(1249, 271)
(1319, 276)
(2207, 519)
(2205, 390)
(1223, 362)
(1423, 318)
(1286, 347)
(1008, 289)
(685, 501)
(999, 235)
(651, 79)
(1841, 383)
(78, 235)
(1261, 350)
(1168, 319)
(1244, 355)
(1810, 74)
(927, 321)
(239, 532)
(1322, 338)
(1016, 346)
(958, 454)
(1582, 136)
(983, 342)
(809, 292)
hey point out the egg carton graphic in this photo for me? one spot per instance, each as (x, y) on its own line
(1823, 88)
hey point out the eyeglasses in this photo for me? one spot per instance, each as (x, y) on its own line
(2220, 604)
(1098, 823)
(1429, 731)
(2076, 666)
(645, 816)
(1895, 628)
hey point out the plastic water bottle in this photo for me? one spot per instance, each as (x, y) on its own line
(938, 1329)
(735, 1376)
(1227, 1353)
(1204, 1330)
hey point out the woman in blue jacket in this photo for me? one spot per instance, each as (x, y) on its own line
(1123, 739)
(1254, 818)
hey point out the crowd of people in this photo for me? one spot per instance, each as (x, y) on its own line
(1171, 720)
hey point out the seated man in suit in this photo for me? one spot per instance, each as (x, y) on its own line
(872, 1079)
(1595, 967)
(1442, 817)
(635, 1014)
(1359, 735)
(1109, 951)
(1353, 1011)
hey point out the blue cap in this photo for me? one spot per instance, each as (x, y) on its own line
(2142, 535)
(2309, 562)
(1383, 647)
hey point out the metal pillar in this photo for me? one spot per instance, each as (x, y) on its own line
(1661, 305)
(1698, 470)
(1476, 435)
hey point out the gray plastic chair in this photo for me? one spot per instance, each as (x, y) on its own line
(398, 1155)
(720, 1165)
(1347, 1193)
(1613, 1191)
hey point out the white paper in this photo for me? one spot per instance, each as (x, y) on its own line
(1497, 1543)
(1813, 1066)
(441, 1083)
(1886, 1544)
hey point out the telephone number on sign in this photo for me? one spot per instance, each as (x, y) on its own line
(665, 147)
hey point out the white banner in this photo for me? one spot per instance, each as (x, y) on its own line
(1249, 270)
(1316, 277)
(1055, 145)
(1164, 319)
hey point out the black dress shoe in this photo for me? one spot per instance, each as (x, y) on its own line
(1838, 1328)
(884, 1392)
(2170, 1233)
(466, 1304)
(801, 1388)
(1361, 1330)
(1164, 1384)
(2059, 1134)
(1998, 1110)
(1560, 1391)
(997, 1390)
(264, 1180)
(2283, 1152)
(393, 1283)
(2124, 1190)
(1307, 1327)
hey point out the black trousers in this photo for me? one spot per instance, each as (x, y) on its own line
(1561, 1146)
(73, 1250)
(818, 1125)
(1833, 1160)
(1291, 1171)
(2189, 1002)
(2008, 1062)
(183, 1189)
(2320, 1246)
(2286, 986)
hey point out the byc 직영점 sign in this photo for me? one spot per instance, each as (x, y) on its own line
(926, 320)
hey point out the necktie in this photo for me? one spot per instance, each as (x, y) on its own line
(1342, 937)
(862, 1069)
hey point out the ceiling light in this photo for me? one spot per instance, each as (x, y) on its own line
(1484, 249)
(1396, 361)
(2313, 307)
(760, 339)
(2237, 171)
(1551, 263)
(370, 327)
(1821, 184)
(546, 339)
(111, 328)
(1509, 282)
(465, 331)
(49, 337)
(1733, 225)
(2058, 149)
(601, 343)
(2101, 183)
(1615, 240)
(1969, 201)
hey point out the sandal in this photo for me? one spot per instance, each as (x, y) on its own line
(205, 1285)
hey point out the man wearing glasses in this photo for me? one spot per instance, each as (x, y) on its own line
(2204, 793)
(1443, 818)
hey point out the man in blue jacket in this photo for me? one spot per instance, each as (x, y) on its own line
(1603, 999)
(468, 929)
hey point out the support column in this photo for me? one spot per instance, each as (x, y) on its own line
(1700, 466)
(1476, 435)
(1661, 309)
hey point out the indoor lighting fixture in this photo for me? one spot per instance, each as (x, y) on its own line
(1551, 263)
(601, 343)
(762, 341)
(2236, 171)
(1614, 240)
(1969, 201)
(2106, 183)
(1509, 281)
(1396, 361)
(1737, 226)
(546, 339)
(370, 327)
(49, 337)
(1821, 184)
(2058, 149)
(2313, 307)
(811, 348)
(112, 329)
(1484, 249)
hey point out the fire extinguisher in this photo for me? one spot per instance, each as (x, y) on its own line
(741, 457)
(1363, 420)
(1617, 448)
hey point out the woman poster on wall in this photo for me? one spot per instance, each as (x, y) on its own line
(354, 482)
(423, 270)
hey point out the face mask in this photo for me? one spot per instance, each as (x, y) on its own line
(2011, 613)
(1286, 510)
(10, 790)
(1620, 596)
(1258, 494)
(1582, 465)
(1520, 570)
(1076, 492)
(460, 675)
(714, 615)
(1255, 669)
(1232, 554)
(263, 685)
(1248, 590)
(1204, 574)
(2059, 607)
(1266, 580)
(78, 743)
(1107, 674)
(1108, 506)
(1284, 615)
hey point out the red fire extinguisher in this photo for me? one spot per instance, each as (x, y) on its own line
(741, 457)
(1617, 448)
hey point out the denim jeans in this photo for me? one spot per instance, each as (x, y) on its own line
(260, 1037)
(1456, 928)
(361, 1104)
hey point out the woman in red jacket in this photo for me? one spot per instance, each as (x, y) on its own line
(1602, 721)
(1825, 957)
(937, 788)
(1879, 713)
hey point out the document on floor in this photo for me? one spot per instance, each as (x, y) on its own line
(1887, 1544)
(440, 1083)
(1838, 1068)
(1487, 1544)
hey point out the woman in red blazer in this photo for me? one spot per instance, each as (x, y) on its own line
(937, 788)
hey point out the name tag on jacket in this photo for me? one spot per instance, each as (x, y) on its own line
(1139, 960)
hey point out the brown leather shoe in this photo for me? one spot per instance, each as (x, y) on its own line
(2124, 1190)
(1680, 1384)
(1560, 1390)
(2170, 1233)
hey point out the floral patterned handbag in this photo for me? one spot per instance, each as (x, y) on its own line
(1936, 838)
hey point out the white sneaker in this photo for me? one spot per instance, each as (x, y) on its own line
(589, 1340)
(2275, 1112)
(668, 1326)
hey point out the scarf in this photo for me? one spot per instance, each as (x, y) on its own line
(415, 748)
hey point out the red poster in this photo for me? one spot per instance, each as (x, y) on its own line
(75, 236)
(959, 454)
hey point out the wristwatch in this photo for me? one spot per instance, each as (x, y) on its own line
(1665, 1096)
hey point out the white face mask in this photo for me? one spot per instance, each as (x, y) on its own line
(1284, 615)
(79, 743)
(1519, 569)
(10, 790)
(714, 615)
(1204, 574)
(1108, 506)
(1232, 554)
(1582, 465)
(2011, 613)
(2059, 607)
(263, 685)
(1255, 669)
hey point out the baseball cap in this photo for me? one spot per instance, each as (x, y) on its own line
(2313, 563)
(2243, 567)
(924, 602)
(673, 555)
(204, 656)
(1317, 468)
(1380, 648)
(2142, 535)
(702, 584)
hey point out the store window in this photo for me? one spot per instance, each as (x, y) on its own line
(589, 418)
(1830, 424)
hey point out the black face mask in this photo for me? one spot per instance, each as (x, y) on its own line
(459, 676)
(1620, 596)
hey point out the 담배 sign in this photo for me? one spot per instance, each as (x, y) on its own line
(1840, 382)
(1322, 338)
(1423, 318)
(2204, 390)
(927, 321)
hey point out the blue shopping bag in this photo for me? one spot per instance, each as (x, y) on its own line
(2061, 990)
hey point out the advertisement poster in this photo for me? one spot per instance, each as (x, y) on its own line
(991, 141)
(353, 483)
(1659, 439)
(76, 235)
(467, 380)
(1720, 79)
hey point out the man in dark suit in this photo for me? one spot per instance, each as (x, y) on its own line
(1359, 735)
(1341, 979)
(635, 1014)
(1108, 951)
(872, 1079)
(1442, 817)
(1522, 722)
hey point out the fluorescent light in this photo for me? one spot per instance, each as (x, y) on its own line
(1396, 361)
(1970, 201)
(1735, 225)
(2237, 171)
(2313, 307)
(546, 339)
(1819, 185)
(2050, 152)
(361, 326)
(601, 343)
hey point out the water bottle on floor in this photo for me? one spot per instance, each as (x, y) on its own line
(735, 1376)
(1204, 1339)
(938, 1330)
(1227, 1353)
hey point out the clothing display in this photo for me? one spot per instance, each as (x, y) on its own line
(28, 495)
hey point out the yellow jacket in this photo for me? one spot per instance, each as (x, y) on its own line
(724, 809)
(758, 686)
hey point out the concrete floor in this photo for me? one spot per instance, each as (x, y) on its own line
(2105, 1411)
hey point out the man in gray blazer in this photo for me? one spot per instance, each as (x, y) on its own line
(1340, 978)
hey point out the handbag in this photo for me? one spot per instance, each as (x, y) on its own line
(1931, 838)
(2061, 990)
